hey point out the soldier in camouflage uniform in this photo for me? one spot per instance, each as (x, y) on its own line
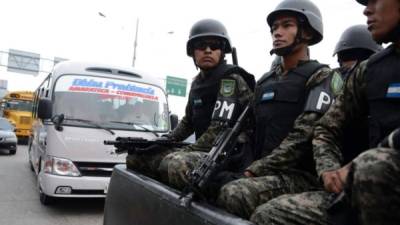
(354, 46)
(369, 182)
(235, 92)
(207, 45)
(288, 101)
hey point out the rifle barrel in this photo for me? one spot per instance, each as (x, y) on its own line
(110, 142)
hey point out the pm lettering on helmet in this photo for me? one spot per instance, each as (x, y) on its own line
(223, 110)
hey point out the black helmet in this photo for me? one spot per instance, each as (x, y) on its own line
(208, 28)
(356, 37)
(362, 2)
(305, 8)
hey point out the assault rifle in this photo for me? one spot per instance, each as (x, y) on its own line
(223, 147)
(234, 57)
(138, 145)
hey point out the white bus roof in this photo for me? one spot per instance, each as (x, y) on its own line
(94, 68)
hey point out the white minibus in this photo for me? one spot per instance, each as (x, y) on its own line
(76, 108)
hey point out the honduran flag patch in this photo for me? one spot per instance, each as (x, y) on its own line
(393, 91)
(267, 96)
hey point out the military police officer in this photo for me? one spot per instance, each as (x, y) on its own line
(218, 83)
(370, 181)
(288, 101)
(354, 46)
(219, 94)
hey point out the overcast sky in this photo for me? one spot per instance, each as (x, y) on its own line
(73, 29)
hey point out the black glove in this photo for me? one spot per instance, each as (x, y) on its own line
(392, 140)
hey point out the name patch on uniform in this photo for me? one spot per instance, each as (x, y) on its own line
(227, 87)
(393, 91)
(267, 96)
(197, 101)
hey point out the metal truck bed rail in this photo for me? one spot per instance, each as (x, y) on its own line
(135, 199)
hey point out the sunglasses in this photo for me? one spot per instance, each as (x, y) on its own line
(202, 45)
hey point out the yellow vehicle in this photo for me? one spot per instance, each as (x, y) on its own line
(17, 108)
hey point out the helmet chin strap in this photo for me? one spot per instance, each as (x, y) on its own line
(284, 51)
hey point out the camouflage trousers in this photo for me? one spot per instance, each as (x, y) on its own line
(148, 164)
(241, 197)
(175, 167)
(294, 209)
(373, 191)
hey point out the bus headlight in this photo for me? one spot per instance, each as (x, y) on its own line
(61, 167)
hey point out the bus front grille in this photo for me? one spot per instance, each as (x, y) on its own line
(94, 169)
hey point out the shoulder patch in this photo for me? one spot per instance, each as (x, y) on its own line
(393, 91)
(336, 83)
(227, 87)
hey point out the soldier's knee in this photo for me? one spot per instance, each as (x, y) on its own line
(173, 170)
(263, 214)
(233, 191)
(229, 189)
(167, 162)
(375, 163)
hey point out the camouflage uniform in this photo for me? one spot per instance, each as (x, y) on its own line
(375, 173)
(175, 166)
(279, 173)
(373, 187)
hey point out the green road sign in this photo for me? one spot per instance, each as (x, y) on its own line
(176, 86)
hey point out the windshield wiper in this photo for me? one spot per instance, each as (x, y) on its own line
(91, 123)
(137, 124)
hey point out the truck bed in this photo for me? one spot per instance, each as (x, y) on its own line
(135, 199)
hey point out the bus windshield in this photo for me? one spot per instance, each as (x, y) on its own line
(19, 105)
(112, 103)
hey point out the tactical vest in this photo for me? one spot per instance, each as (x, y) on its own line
(383, 94)
(278, 102)
(204, 92)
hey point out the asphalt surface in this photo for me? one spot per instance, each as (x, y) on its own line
(19, 198)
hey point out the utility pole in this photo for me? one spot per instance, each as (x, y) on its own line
(135, 42)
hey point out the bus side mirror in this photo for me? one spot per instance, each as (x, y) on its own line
(44, 109)
(174, 121)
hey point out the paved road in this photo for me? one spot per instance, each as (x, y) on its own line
(19, 198)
